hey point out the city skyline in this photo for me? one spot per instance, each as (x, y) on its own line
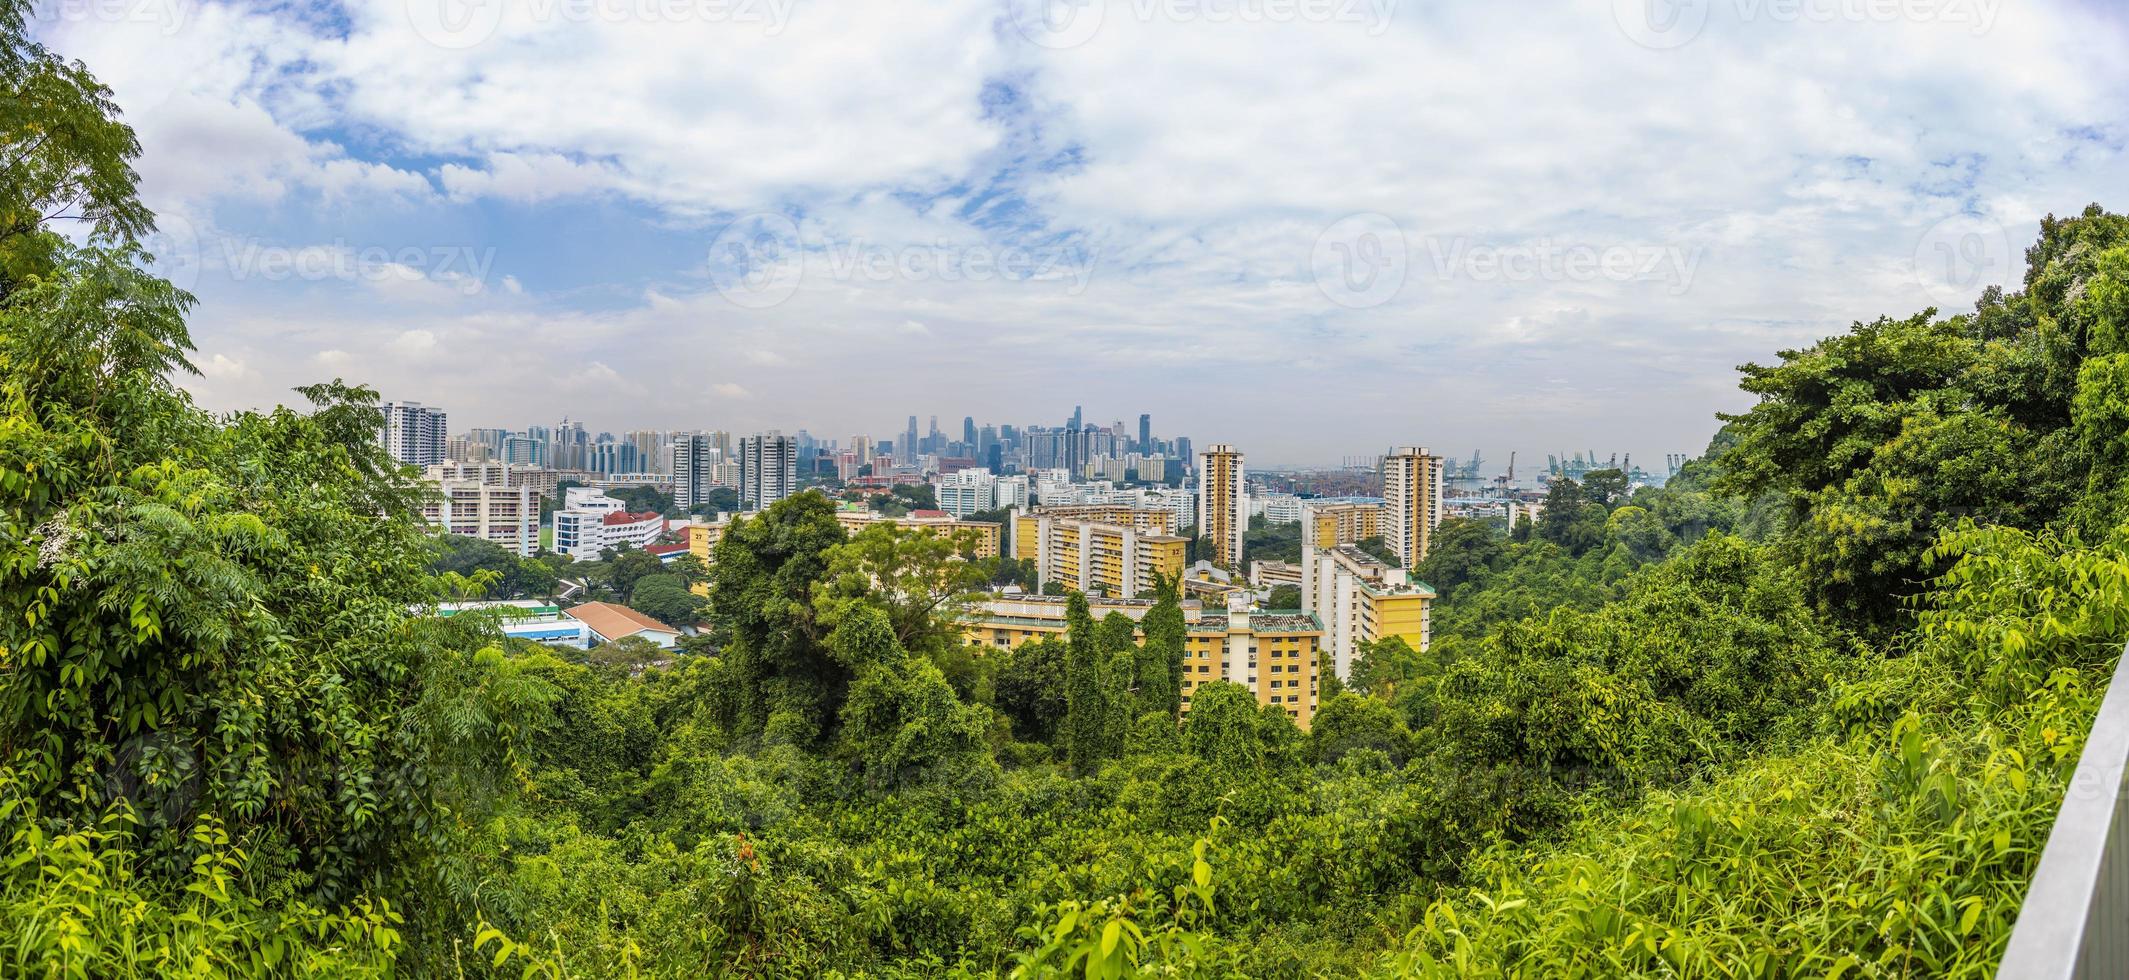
(1026, 225)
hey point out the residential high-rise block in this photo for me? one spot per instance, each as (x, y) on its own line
(694, 465)
(415, 434)
(768, 469)
(1412, 493)
(1223, 510)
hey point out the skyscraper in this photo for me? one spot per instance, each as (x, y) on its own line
(907, 451)
(1223, 511)
(694, 462)
(768, 469)
(414, 434)
(968, 434)
(1412, 489)
(1145, 433)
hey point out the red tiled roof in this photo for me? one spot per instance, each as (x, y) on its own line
(662, 550)
(624, 517)
(929, 513)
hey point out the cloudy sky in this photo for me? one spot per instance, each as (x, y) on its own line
(1309, 227)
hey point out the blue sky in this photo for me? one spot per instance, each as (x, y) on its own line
(1310, 227)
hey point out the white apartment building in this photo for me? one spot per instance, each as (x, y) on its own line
(966, 492)
(508, 516)
(1277, 508)
(414, 434)
(693, 460)
(768, 469)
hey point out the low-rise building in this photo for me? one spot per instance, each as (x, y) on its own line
(591, 522)
(527, 619)
(609, 622)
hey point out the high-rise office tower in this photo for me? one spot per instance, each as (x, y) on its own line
(1412, 491)
(414, 434)
(768, 469)
(1223, 510)
(908, 448)
(1145, 433)
(968, 434)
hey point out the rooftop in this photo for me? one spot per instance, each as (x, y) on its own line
(613, 622)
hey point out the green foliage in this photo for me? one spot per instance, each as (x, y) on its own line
(666, 599)
(512, 577)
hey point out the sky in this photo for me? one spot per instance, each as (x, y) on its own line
(1311, 228)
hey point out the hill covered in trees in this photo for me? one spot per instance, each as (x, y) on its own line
(1807, 711)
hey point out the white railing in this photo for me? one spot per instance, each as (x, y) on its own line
(2074, 922)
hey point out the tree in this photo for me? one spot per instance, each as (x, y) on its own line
(917, 577)
(514, 577)
(1222, 728)
(901, 724)
(1463, 551)
(1388, 664)
(1086, 708)
(666, 598)
(761, 589)
(210, 643)
(1284, 597)
(1160, 656)
(1031, 689)
(1347, 722)
(1605, 488)
(1570, 519)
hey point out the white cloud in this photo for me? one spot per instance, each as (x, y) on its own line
(1197, 166)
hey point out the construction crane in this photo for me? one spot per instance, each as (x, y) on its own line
(1507, 480)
